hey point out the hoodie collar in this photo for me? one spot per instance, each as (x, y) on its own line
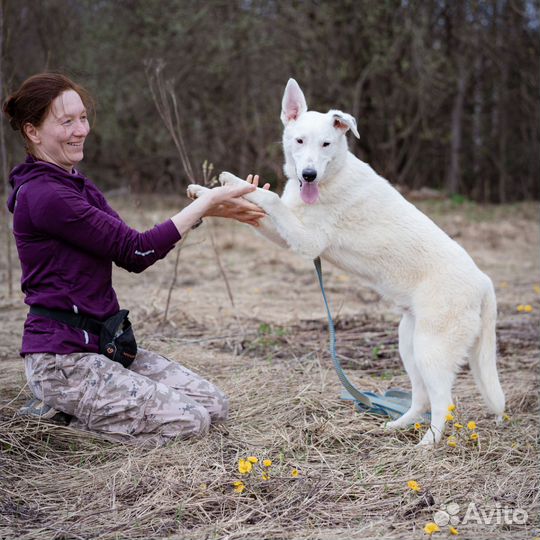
(33, 169)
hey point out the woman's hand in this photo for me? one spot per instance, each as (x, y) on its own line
(227, 202)
(255, 181)
(223, 201)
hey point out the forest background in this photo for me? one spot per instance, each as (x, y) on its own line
(447, 97)
(446, 92)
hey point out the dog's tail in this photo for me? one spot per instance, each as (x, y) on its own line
(483, 360)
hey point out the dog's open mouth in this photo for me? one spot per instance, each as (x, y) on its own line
(309, 192)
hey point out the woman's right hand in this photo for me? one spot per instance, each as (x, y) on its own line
(227, 202)
(223, 201)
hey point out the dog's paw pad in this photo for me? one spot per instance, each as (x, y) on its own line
(194, 190)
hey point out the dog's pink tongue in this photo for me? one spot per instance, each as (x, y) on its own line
(309, 191)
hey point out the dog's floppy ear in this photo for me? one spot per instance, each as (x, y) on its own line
(344, 122)
(294, 102)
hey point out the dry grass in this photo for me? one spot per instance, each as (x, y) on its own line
(56, 483)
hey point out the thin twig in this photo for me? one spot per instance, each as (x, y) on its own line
(173, 283)
(210, 180)
(167, 106)
(169, 111)
(220, 266)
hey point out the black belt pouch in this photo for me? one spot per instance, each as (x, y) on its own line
(116, 340)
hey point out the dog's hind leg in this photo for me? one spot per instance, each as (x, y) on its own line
(420, 400)
(438, 358)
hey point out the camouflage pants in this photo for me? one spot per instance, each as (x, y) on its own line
(155, 400)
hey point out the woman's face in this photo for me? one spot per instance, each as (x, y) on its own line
(60, 138)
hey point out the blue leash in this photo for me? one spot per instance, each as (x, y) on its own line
(393, 403)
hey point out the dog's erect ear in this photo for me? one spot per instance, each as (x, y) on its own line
(294, 102)
(344, 122)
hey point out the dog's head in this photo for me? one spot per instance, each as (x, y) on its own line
(314, 143)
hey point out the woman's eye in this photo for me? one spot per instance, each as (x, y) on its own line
(326, 144)
(299, 141)
(67, 122)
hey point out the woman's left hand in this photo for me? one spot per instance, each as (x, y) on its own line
(237, 207)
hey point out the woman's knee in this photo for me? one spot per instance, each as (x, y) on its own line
(194, 421)
(202, 422)
(211, 398)
(219, 408)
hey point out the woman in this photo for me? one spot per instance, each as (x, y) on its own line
(67, 238)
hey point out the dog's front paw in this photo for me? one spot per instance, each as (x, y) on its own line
(195, 190)
(228, 179)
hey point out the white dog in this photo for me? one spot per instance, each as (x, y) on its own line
(336, 207)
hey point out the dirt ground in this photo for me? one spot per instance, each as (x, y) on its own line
(268, 349)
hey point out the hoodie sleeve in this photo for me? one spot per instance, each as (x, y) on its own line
(61, 211)
(104, 205)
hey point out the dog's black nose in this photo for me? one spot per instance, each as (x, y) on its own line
(309, 175)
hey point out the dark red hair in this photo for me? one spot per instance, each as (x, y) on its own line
(31, 103)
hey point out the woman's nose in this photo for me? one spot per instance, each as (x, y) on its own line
(82, 128)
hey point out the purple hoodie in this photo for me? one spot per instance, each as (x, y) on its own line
(68, 237)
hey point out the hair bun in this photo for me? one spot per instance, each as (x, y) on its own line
(14, 124)
(9, 110)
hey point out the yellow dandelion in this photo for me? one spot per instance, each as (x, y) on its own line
(471, 425)
(506, 418)
(417, 426)
(413, 485)
(252, 459)
(527, 308)
(267, 462)
(430, 528)
(474, 436)
(239, 486)
(451, 408)
(449, 417)
(294, 473)
(244, 466)
(265, 475)
(453, 530)
(451, 441)
(536, 289)
(457, 425)
(520, 307)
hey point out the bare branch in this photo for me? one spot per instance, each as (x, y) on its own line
(165, 100)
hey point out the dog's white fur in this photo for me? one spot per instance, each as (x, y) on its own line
(364, 226)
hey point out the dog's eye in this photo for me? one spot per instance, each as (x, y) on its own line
(326, 144)
(299, 141)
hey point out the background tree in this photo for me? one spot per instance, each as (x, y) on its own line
(445, 91)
